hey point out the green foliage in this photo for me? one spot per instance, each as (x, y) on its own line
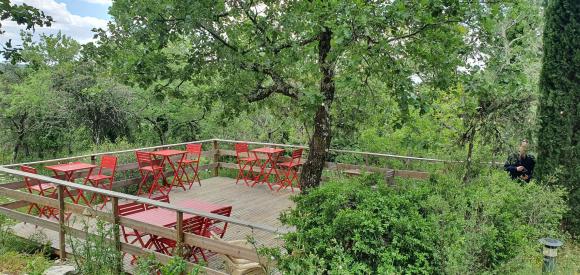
(22, 14)
(97, 254)
(436, 226)
(20, 255)
(147, 265)
(559, 117)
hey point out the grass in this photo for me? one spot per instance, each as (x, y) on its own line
(567, 262)
(19, 263)
(18, 255)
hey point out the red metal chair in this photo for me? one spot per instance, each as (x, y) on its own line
(290, 169)
(132, 236)
(195, 225)
(215, 228)
(149, 167)
(218, 227)
(191, 160)
(245, 161)
(102, 180)
(37, 187)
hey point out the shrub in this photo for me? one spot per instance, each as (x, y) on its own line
(97, 254)
(436, 226)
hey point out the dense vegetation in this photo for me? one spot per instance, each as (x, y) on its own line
(455, 80)
(436, 227)
(559, 138)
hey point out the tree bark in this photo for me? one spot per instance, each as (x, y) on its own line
(320, 141)
(467, 174)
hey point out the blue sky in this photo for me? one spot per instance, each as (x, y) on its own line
(74, 18)
(86, 8)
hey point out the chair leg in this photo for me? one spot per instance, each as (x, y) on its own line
(196, 174)
(144, 177)
(240, 174)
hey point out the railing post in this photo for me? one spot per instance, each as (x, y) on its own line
(93, 159)
(116, 234)
(61, 214)
(216, 158)
(179, 237)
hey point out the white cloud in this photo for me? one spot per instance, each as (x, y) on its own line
(75, 26)
(100, 2)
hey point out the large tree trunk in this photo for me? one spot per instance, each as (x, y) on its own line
(320, 141)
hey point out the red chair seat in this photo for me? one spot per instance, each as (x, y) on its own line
(42, 186)
(214, 229)
(289, 164)
(151, 168)
(249, 159)
(99, 177)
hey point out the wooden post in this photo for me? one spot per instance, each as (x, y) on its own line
(179, 237)
(93, 159)
(216, 158)
(116, 234)
(366, 158)
(61, 240)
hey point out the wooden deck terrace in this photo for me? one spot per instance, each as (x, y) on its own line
(254, 215)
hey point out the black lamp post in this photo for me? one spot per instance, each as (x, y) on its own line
(550, 252)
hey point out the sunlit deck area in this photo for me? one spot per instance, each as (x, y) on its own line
(255, 209)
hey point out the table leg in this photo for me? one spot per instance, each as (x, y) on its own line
(80, 195)
(175, 176)
(262, 169)
(272, 167)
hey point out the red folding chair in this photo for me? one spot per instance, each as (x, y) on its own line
(215, 228)
(193, 225)
(102, 180)
(290, 169)
(245, 161)
(37, 187)
(218, 227)
(148, 167)
(132, 236)
(191, 160)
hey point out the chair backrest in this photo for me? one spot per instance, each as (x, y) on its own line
(194, 225)
(297, 155)
(161, 198)
(143, 158)
(193, 151)
(131, 208)
(226, 211)
(30, 181)
(241, 148)
(109, 163)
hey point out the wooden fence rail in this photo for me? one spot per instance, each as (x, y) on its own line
(215, 154)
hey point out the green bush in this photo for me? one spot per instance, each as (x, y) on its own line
(436, 226)
(96, 254)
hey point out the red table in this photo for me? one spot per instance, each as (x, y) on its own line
(272, 158)
(68, 171)
(200, 205)
(166, 158)
(168, 218)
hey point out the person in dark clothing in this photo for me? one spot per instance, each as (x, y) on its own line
(521, 165)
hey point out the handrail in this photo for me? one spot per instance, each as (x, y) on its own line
(145, 200)
(345, 151)
(248, 142)
(106, 153)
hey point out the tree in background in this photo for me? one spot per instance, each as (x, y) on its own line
(311, 52)
(23, 15)
(559, 116)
